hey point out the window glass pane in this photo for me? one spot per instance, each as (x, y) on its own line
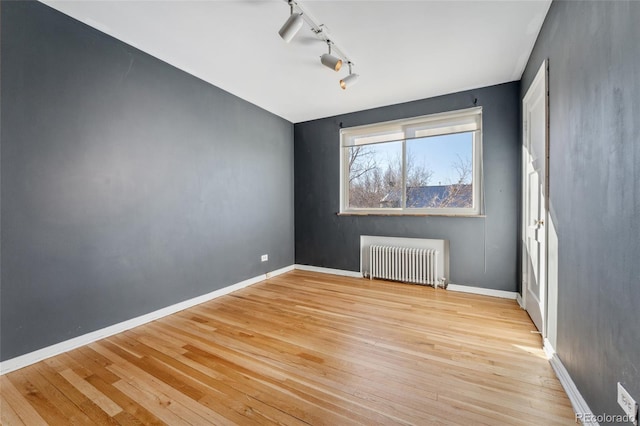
(442, 157)
(375, 175)
(440, 171)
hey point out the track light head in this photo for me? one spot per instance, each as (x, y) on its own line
(349, 80)
(330, 61)
(291, 26)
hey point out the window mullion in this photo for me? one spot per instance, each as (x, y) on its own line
(404, 175)
(344, 179)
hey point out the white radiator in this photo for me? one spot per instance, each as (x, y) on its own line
(411, 265)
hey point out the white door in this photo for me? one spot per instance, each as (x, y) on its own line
(534, 199)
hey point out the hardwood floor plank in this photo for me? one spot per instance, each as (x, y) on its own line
(98, 398)
(94, 412)
(305, 348)
(56, 395)
(8, 416)
(19, 404)
(46, 410)
(91, 361)
(133, 413)
(168, 396)
(155, 403)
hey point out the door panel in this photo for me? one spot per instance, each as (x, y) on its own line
(534, 165)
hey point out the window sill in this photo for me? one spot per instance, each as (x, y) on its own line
(407, 214)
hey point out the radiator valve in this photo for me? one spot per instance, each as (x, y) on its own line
(443, 282)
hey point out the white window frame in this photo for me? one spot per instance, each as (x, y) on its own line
(461, 121)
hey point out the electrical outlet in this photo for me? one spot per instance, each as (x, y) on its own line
(264, 257)
(628, 404)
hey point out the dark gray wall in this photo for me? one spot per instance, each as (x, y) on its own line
(594, 104)
(325, 239)
(127, 184)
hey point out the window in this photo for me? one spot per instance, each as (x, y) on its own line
(424, 165)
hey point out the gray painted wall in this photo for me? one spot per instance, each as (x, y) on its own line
(327, 240)
(594, 103)
(127, 184)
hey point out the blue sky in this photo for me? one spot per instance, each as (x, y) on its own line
(436, 153)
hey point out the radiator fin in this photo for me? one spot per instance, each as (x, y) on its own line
(411, 265)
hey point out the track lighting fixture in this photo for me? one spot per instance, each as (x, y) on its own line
(330, 61)
(292, 25)
(300, 15)
(349, 80)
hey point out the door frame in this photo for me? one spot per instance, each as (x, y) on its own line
(542, 74)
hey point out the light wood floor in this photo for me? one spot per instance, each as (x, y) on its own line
(305, 348)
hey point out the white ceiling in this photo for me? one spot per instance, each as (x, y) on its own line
(403, 50)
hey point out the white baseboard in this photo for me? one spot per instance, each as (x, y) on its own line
(548, 349)
(580, 407)
(483, 291)
(519, 300)
(331, 271)
(44, 353)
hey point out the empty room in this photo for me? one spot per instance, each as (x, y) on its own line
(319, 212)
